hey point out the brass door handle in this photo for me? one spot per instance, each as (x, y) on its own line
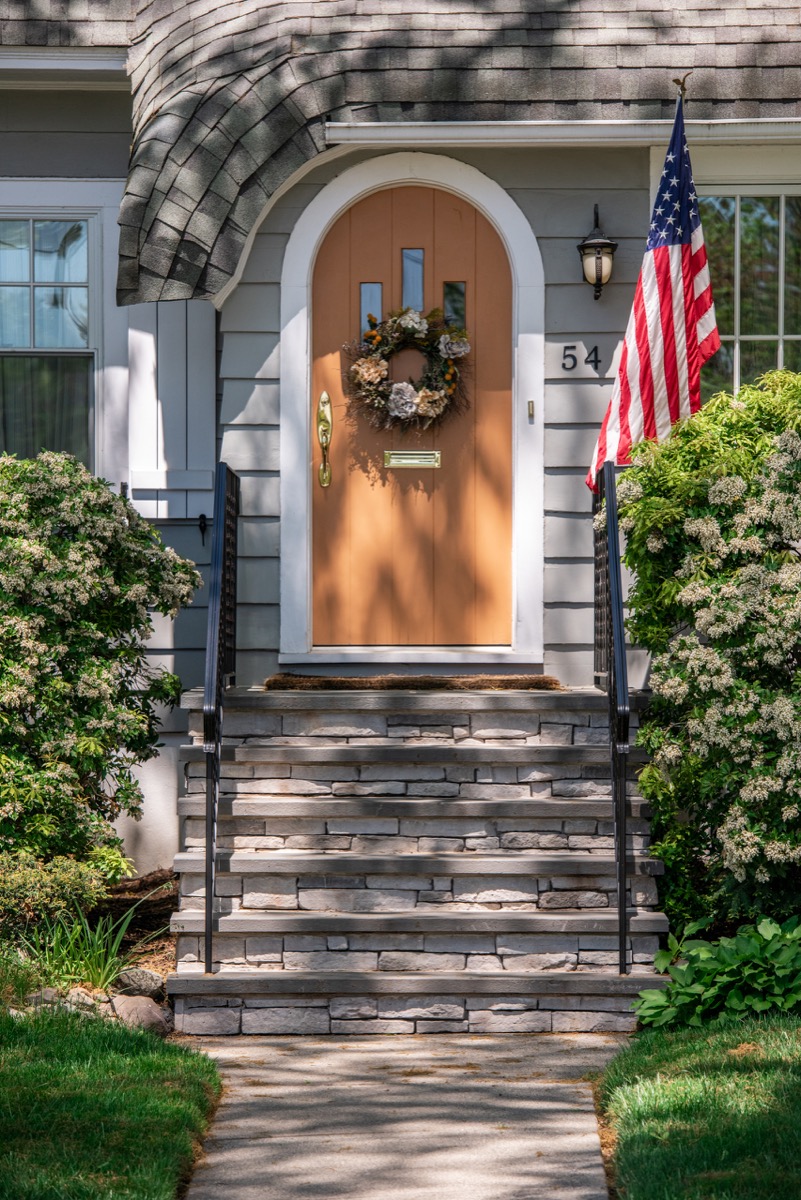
(325, 429)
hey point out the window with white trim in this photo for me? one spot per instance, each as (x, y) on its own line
(753, 242)
(47, 358)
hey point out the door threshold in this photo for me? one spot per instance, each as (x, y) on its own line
(469, 656)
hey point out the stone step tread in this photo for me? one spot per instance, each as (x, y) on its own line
(332, 983)
(452, 753)
(416, 808)
(563, 921)
(568, 700)
(342, 862)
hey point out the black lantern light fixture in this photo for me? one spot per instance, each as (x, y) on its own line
(597, 254)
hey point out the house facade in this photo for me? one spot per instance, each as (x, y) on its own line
(200, 204)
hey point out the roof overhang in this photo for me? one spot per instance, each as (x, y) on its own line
(419, 134)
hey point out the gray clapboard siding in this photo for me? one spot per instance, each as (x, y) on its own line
(258, 537)
(570, 307)
(252, 308)
(257, 581)
(249, 356)
(266, 258)
(564, 584)
(260, 495)
(246, 402)
(570, 445)
(581, 403)
(250, 448)
(568, 536)
(69, 135)
(566, 491)
(562, 169)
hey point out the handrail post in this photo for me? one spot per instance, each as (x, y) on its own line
(220, 670)
(612, 675)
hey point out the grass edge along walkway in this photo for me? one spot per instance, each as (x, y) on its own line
(707, 1114)
(90, 1110)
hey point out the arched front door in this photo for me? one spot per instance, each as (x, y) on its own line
(420, 556)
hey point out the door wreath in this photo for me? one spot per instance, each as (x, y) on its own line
(416, 404)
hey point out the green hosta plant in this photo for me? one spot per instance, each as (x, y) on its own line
(713, 525)
(80, 573)
(756, 971)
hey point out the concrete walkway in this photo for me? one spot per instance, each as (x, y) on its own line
(405, 1118)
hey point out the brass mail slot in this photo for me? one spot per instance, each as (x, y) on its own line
(412, 458)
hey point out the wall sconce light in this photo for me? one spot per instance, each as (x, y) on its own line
(597, 254)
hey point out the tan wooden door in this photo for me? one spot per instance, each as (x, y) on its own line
(414, 557)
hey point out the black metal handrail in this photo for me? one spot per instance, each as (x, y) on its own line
(220, 667)
(612, 676)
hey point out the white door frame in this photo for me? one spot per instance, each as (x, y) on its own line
(528, 313)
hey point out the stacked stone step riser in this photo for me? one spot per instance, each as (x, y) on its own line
(397, 893)
(410, 835)
(465, 728)
(446, 1011)
(414, 952)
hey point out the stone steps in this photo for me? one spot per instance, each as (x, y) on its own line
(358, 1003)
(426, 850)
(564, 921)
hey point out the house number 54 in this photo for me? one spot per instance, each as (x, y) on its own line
(570, 361)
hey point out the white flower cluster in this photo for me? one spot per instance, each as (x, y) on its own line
(413, 321)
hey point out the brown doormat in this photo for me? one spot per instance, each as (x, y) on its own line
(412, 683)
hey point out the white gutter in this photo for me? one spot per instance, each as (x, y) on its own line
(419, 134)
(43, 68)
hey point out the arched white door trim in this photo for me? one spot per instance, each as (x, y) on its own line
(428, 170)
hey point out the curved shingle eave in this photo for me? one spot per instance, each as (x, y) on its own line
(226, 112)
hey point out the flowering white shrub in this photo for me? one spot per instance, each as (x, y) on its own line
(713, 520)
(79, 573)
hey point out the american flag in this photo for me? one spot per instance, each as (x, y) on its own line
(672, 330)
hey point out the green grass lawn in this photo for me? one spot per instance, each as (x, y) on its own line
(90, 1110)
(708, 1114)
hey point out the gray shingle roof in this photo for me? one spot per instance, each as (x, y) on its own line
(74, 23)
(231, 98)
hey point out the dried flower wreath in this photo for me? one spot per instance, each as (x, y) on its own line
(416, 404)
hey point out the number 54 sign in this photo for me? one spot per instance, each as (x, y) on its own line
(593, 357)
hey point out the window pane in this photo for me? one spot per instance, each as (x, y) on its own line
(756, 358)
(718, 374)
(59, 251)
(792, 264)
(412, 279)
(45, 405)
(15, 321)
(759, 265)
(792, 356)
(371, 304)
(15, 251)
(61, 317)
(717, 218)
(453, 303)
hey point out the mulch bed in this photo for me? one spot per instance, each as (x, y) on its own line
(156, 897)
(412, 683)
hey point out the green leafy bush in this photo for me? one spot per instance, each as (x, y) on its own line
(80, 572)
(31, 890)
(713, 525)
(756, 971)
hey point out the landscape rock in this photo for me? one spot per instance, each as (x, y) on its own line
(78, 997)
(46, 995)
(136, 981)
(141, 1012)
